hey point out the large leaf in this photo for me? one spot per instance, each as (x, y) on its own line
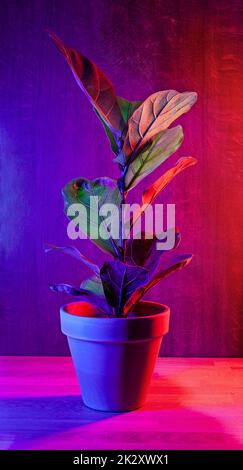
(156, 113)
(93, 82)
(83, 294)
(178, 263)
(155, 189)
(75, 253)
(120, 281)
(164, 145)
(152, 192)
(143, 252)
(80, 191)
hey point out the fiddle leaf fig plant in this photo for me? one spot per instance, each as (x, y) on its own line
(141, 140)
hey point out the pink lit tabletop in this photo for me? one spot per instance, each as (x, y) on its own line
(193, 404)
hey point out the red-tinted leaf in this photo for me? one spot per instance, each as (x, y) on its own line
(154, 115)
(150, 194)
(178, 263)
(93, 82)
(155, 189)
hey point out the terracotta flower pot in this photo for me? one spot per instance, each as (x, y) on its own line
(114, 358)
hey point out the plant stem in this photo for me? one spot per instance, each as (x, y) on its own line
(121, 186)
(122, 201)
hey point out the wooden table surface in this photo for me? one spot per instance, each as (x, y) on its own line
(193, 404)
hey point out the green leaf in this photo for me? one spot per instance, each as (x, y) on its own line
(79, 191)
(155, 114)
(127, 107)
(110, 135)
(75, 253)
(164, 145)
(93, 284)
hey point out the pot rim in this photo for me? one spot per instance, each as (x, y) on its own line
(116, 329)
(165, 310)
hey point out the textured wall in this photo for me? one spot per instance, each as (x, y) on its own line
(49, 134)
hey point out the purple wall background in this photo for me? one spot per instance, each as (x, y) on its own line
(49, 134)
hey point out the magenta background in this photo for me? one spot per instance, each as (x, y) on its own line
(49, 134)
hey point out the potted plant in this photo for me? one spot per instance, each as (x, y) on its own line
(113, 335)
